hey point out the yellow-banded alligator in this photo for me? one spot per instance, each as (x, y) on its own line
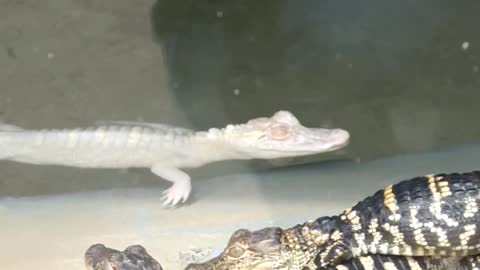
(264, 250)
(433, 215)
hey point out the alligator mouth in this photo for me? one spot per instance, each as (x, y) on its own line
(338, 146)
(309, 151)
(212, 266)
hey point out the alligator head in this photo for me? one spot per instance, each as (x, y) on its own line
(248, 250)
(281, 135)
(273, 248)
(100, 257)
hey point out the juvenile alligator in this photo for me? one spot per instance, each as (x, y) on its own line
(260, 250)
(164, 149)
(434, 215)
(99, 257)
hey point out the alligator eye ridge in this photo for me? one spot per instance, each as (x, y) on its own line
(236, 252)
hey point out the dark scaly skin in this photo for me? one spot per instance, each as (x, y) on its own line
(260, 250)
(392, 262)
(423, 216)
(100, 257)
(435, 215)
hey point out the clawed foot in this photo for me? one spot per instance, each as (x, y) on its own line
(175, 194)
(181, 184)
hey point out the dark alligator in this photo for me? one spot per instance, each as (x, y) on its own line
(433, 215)
(263, 250)
(100, 257)
(415, 221)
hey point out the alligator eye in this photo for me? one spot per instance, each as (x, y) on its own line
(280, 132)
(236, 252)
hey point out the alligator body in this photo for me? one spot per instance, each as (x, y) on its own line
(434, 215)
(260, 250)
(424, 216)
(391, 262)
(165, 149)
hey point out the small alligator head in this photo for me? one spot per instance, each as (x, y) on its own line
(282, 135)
(100, 257)
(273, 248)
(252, 250)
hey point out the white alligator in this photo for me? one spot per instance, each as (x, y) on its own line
(164, 149)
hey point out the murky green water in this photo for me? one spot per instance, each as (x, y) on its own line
(402, 77)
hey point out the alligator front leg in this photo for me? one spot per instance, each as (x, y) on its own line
(336, 253)
(181, 188)
(390, 262)
(471, 262)
(338, 257)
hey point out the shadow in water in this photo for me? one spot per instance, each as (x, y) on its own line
(386, 71)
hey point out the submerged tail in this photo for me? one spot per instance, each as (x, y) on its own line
(7, 127)
(6, 140)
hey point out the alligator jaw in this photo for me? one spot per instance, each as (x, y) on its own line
(249, 250)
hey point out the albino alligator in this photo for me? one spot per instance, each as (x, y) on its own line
(165, 149)
(100, 257)
(434, 215)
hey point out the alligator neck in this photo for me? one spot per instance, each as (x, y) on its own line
(304, 241)
(212, 146)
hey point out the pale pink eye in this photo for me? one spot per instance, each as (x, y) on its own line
(280, 133)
